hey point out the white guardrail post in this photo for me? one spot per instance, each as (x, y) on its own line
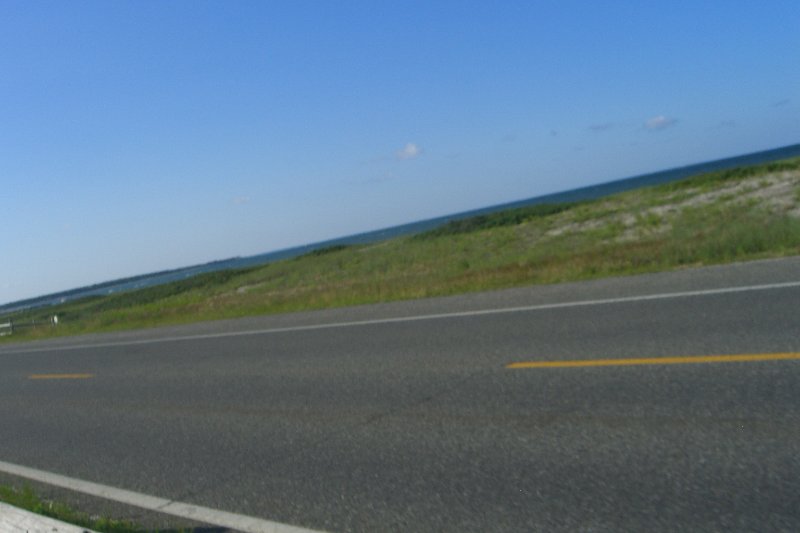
(6, 328)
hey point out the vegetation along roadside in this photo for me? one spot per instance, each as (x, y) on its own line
(25, 498)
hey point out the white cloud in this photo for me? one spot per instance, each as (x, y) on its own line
(241, 200)
(409, 151)
(659, 123)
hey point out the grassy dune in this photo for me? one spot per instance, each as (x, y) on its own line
(740, 214)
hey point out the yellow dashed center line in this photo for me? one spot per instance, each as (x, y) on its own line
(60, 376)
(657, 360)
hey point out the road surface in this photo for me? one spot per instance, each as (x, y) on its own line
(407, 416)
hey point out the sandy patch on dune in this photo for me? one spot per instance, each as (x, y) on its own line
(778, 191)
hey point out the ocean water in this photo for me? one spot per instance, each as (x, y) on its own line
(583, 193)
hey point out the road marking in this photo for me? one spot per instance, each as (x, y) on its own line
(417, 318)
(248, 524)
(657, 360)
(60, 376)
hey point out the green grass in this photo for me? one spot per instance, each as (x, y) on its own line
(509, 217)
(323, 251)
(27, 499)
(712, 218)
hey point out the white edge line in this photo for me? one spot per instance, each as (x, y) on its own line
(437, 316)
(247, 524)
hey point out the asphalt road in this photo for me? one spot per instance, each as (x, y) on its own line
(404, 416)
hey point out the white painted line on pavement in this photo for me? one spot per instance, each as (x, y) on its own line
(436, 316)
(247, 524)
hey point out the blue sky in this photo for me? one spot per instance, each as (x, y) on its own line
(140, 136)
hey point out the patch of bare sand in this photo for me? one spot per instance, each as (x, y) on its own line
(778, 191)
